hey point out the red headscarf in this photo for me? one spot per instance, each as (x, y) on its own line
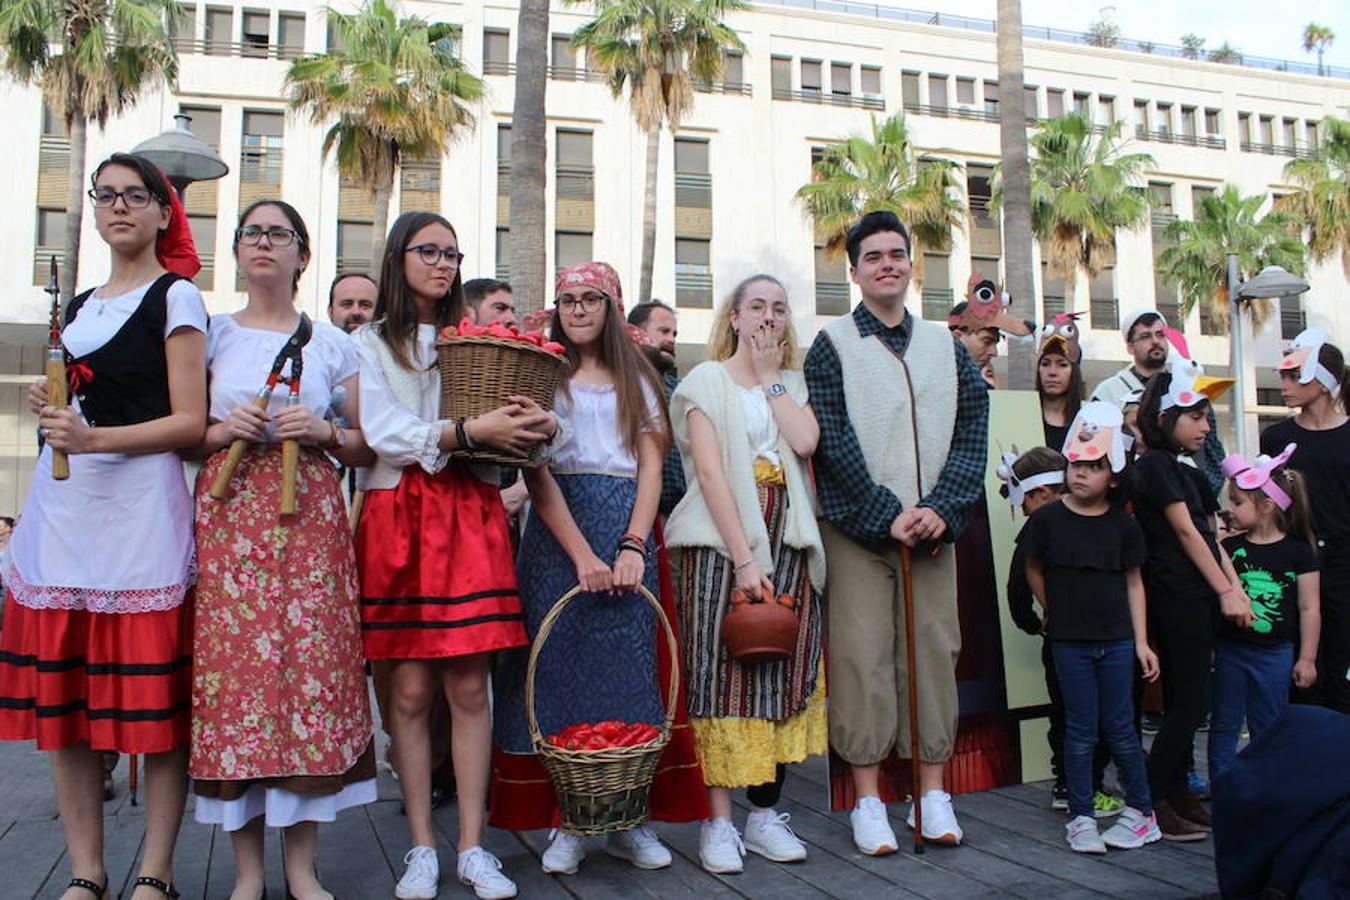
(604, 279)
(174, 247)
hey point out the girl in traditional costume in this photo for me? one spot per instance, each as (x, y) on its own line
(746, 432)
(281, 731)
(438, 580)
(96, 649)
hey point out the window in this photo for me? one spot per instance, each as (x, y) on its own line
(1106, 109)
(1268, 130)
(52, 124)
(1054, 103)
(1199, 193)
(1245, 127)
(780, 68)
(204, 237)
(576, 175)
(570, 248)
(937, 287)
(871, 81)
(841, 79)
(1105, 312)
(1167, 297)
(832, 297)
(1054, 290)
(51, 227)
(733, 67)
(291, 34)
(219, 31)
(354, 241)
(1212, 122)
(1082, 104)
(335, 41)
(1292, 317)
(1290, 132)
(1162, 202)
(183, 30)
(979, 191)
(991, 97)
(965, 91)
(811, 75)
(691, 156)
(503, 160)
(909, 90)
(1189, 127)
(261, 149)
(205, 124)
(1310, 134)
(693, 273)
(502, 246)
(496, 51)
(1164, 120)
(564, 57)
(255, 37)
(1032, 102)
(937, 90)
(1142, 126)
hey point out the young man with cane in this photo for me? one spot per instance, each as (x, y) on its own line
(904, 430)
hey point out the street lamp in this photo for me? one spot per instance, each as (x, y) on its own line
(182, 155)
(1271, 283)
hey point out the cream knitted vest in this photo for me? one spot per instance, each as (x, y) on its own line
(886, 398)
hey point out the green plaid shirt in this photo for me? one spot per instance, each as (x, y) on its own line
(849, 498)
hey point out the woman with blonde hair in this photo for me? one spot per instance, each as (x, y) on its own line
(746, 431)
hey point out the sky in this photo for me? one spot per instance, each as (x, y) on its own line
(1256, 27)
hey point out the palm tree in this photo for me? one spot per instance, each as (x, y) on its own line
(1227, 222)
(1226, 53)
(1316, 39)
(1018, 278)
(528, 239)
(1082, 190)
(1192, 45)
(884, 172)
(106, 52)
(397, 90)
(1322, 203)
(657, 49)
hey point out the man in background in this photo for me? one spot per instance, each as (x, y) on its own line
(351, 300)
(659, 327)
(488, 300)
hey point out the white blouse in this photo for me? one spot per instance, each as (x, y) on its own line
(100, 318)
(590, 439)
(401, 436)
(760, 427)
(240, 357)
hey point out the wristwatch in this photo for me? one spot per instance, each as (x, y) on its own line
(775, 390)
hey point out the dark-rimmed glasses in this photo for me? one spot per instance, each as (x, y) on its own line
(133, 197)
(277, 235)
(430, 254)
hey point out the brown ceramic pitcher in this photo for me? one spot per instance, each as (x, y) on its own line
(760, 627)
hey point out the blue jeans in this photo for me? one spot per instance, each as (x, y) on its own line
(1096, 678)
(1251, 681)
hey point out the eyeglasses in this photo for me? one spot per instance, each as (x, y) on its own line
(276, 235)
(430, 254)
(1150, 336)
(134, 198)
(589, 303)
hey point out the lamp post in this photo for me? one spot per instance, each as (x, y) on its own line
(1271, 283)
(182, 155)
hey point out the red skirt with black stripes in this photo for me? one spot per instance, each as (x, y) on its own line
(114, 681)
(438, 577)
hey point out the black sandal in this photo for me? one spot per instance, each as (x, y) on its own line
(167, 890)
(99, 891)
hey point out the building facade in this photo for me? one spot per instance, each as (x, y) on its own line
(808, 77)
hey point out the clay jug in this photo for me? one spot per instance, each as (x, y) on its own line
(760, 627)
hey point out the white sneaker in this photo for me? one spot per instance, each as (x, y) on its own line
(640, 846)
(421, 880)
(1132, 830)
(871, 830)
(1083, 836)
(564, 854)
(482, 871)
(939, 819)
(720, 848)
(767, 833)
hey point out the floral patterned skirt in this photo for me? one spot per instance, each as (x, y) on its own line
(279, 689)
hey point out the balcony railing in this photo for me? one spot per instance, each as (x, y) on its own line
(42, 262)
(1052, 305)
(261, 164)
(1104, 313)
(831, 297)
(498, 67)
(1166, 136)
(741, 88)
(693, 189)
(347, 264)
(573, 73)
(206, 278)
(693, 286)
(576, 182)
(821, 97)
(1279, 150)
(952, 112)
(937, 303)
(250, 49)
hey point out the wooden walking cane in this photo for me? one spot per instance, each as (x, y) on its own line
(220, 488)
(57, 395)
(911, 664)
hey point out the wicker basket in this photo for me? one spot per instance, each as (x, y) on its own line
(477, 375)
(601, 791)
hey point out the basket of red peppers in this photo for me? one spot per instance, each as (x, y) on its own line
(482, 365)
(602, 771)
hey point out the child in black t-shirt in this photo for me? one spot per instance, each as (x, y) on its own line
(1189, 580)
(1275, 561)
(1083, 558)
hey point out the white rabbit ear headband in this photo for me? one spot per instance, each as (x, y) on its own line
(1190, 385)
(1097, 432)
(1019, 487)
(1302, 355)
(1259, 474)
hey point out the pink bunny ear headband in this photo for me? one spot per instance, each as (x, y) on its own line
(1018, 487)
(1259, 474)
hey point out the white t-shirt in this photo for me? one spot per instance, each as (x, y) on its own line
(591, 442)
(99, 318)
(239, 359)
